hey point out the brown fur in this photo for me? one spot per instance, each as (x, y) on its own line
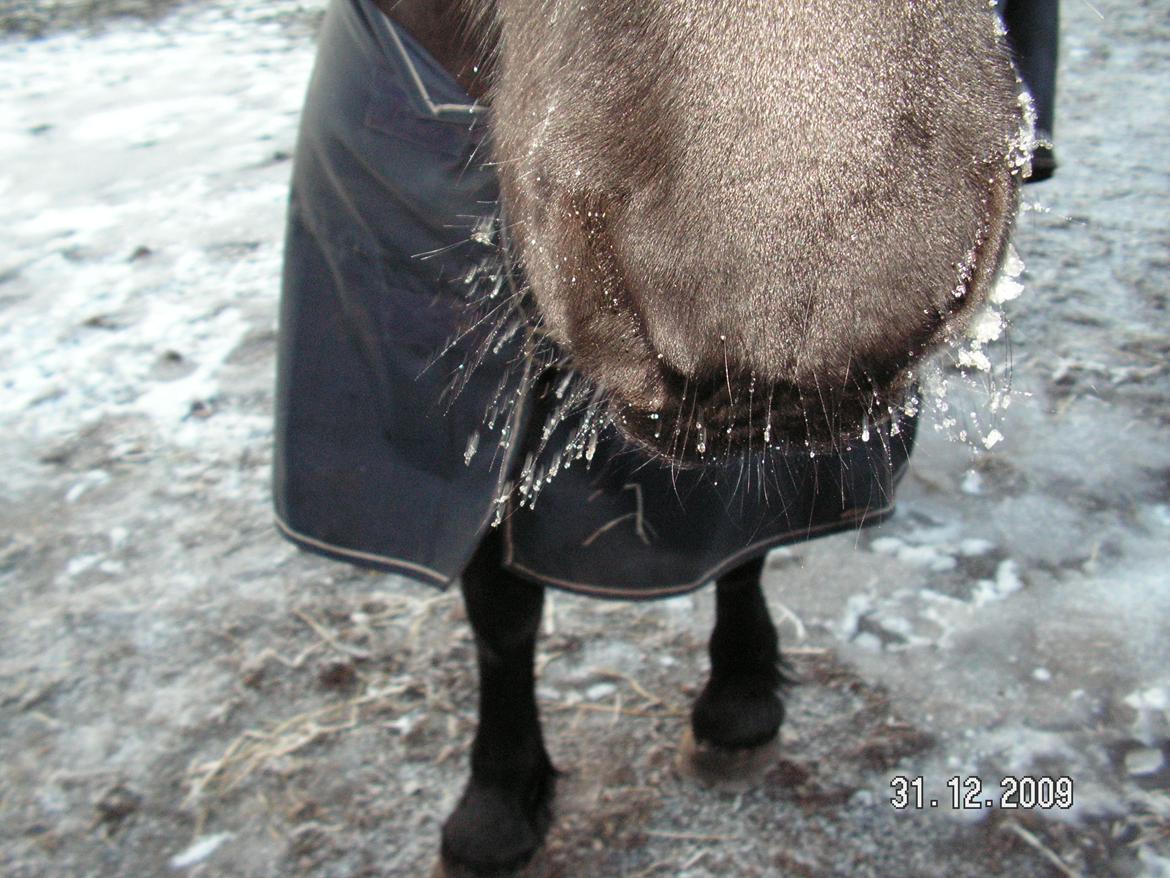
(708, 195)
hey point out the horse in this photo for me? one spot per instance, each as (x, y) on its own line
(752, 220)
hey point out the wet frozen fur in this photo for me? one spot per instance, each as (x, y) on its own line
(801, 198)
(815, 194)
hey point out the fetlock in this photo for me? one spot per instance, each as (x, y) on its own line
(497, 828)
(738, 712)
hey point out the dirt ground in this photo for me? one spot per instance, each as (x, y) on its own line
(181, 692)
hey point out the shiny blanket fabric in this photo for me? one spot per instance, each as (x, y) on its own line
(379, 464)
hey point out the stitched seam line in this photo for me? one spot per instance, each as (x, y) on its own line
(357, 555)
(420, 86)
(682, 588)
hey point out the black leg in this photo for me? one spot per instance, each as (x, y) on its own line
(736, 719)
(504, 812)
(1033, 30)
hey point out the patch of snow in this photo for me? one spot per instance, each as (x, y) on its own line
(91, 479)
(1143, 760)
(1161, 514)
(598, 691)
(1007, 582)
(1153, 713)
(868, 642)
(972, 482)
(974, 547)
(199, 851)
(136, 261)
(857, 606)
(1155, 866)
(80, 564)
(928, 557)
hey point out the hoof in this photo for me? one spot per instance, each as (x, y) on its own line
(723, 767)
(446, 869)
(493, 833)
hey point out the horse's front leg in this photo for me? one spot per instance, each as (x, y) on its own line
(504, 812)
(735, 723)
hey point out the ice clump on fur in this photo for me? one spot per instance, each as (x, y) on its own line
(976, 368)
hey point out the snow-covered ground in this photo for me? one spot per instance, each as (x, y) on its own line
(181, 692)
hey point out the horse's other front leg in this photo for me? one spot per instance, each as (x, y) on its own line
(735, 722)
(505, 810)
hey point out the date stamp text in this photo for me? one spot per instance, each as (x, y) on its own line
(970, 793)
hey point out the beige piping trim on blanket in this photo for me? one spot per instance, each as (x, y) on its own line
(435, 109)
(604, 591)
(357, 555)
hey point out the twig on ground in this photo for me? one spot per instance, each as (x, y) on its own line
(253, 748)
(634, 684)
(421, 617)
(1045, 851)
(559, 706)
(652, 868)
(331, 638)
(688, 836)
(797, 624)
